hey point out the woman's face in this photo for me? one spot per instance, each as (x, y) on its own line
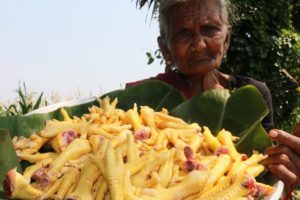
(197, 38)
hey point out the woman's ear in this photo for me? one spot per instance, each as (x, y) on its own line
(227, 39)
(162, 43)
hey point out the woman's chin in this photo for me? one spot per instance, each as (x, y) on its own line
(197, 70)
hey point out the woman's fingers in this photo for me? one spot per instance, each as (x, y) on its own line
(281, 149)
(282, 159)
(283, 155)
(289, 178)
(285, 138)
(289, 154)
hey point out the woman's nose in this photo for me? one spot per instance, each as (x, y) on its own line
(199, 44)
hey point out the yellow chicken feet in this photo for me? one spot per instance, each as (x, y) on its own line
(113, 169)
(76, 149)
(16, 186)
(139, 154)
(70, 178)
(88, 175)
(192, 184)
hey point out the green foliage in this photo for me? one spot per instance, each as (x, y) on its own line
(296, 16)
(154, 4)
(154, 56)
(265, 45)
(26, 102)
(154, 93)
(2, 111)
(218, 109)
(7, 162)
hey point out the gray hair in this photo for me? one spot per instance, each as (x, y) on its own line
(165, 5)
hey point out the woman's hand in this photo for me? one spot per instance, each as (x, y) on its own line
(284, 159)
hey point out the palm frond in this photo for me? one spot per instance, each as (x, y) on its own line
(152, 4)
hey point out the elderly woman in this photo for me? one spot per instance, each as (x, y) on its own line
(194, 38)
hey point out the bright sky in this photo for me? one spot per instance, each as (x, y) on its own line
(61, 46)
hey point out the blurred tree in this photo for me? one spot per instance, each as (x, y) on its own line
(266, 46)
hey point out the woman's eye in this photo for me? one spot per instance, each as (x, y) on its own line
(184, 34)
(210, 30)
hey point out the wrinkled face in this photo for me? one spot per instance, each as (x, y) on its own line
(197, 38)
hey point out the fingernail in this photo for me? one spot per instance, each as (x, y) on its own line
(273, 133)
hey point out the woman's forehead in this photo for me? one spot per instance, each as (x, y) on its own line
(195, 11)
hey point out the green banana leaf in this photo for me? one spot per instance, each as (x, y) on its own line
(153, 93)
(240, 113)
(8, 158)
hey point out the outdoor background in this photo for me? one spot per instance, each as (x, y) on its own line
(73, 47)
(53, 50)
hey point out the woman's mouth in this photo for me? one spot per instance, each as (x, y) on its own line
(199, 61)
